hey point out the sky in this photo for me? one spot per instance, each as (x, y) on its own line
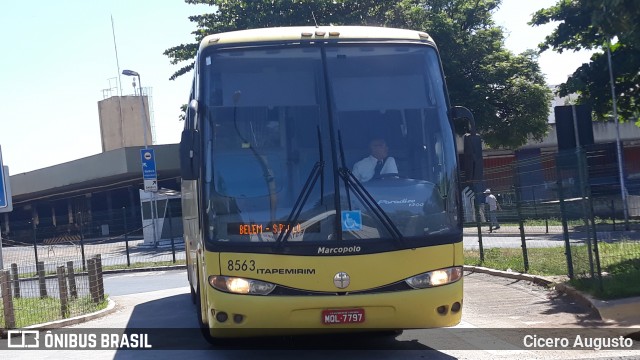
(58, 60)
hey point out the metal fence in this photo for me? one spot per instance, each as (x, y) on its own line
(50, 265)
(567, 206)
(44, 296)
(120, 238)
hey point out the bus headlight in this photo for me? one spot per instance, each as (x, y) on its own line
(435, 278)
(239, 285)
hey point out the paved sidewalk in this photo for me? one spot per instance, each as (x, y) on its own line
(622, 312)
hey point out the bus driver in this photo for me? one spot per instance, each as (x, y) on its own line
(376, 164)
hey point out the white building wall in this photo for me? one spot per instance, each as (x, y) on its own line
(121, 123)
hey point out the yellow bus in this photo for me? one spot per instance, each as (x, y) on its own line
(291, 224)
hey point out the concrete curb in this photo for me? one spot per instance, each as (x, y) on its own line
(510, 274)
(625, 312)
(156, 268)
(579, 297)
(111, 307)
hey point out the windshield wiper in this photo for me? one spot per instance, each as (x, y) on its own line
(363, 195)
(344, 165)
(316, 172)
(301, 200)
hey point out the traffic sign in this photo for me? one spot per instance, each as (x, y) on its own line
(148, 164)
(150, 185)
(3, 192)
(5, 188)
(149, 174)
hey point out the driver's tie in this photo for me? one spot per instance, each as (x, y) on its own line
(378, 168)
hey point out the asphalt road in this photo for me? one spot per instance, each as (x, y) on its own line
(498, 313)
(141, 282)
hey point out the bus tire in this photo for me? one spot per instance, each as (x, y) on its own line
(193, 294)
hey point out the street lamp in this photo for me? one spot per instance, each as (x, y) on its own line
(144, 120)
(153, 209)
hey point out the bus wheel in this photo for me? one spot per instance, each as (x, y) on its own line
(193, 294)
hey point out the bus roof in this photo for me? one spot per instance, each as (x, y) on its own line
(277, 34)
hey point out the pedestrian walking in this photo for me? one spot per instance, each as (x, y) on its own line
(494, 207)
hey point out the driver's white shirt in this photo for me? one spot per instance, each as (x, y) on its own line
(363, 169)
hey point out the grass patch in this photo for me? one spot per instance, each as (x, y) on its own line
(620, 264)
(542, 261)
(31, 311)
(620, 257)
(614, 286)
(496, 258)
(140, 265)
(556, 221)
(552, 221)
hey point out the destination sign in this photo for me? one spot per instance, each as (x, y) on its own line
(273, 228)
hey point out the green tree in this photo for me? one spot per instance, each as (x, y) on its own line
(593, 24)
(506, 92)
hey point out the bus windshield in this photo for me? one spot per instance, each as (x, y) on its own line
(293, 134)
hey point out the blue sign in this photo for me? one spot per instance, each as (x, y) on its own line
(148, 164)
(351, 220)
(3, 191)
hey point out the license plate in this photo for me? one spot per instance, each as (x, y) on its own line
(346, 316)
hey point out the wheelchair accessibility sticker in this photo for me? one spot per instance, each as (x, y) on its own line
(351, 220)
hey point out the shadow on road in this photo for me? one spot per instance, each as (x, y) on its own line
(171, 326)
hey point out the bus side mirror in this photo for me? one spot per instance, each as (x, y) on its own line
(189, 154)
(190, 144)
(473, 166)
(472, 152)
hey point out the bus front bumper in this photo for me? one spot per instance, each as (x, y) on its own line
(233, 315)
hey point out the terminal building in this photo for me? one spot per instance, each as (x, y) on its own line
(93, 196)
